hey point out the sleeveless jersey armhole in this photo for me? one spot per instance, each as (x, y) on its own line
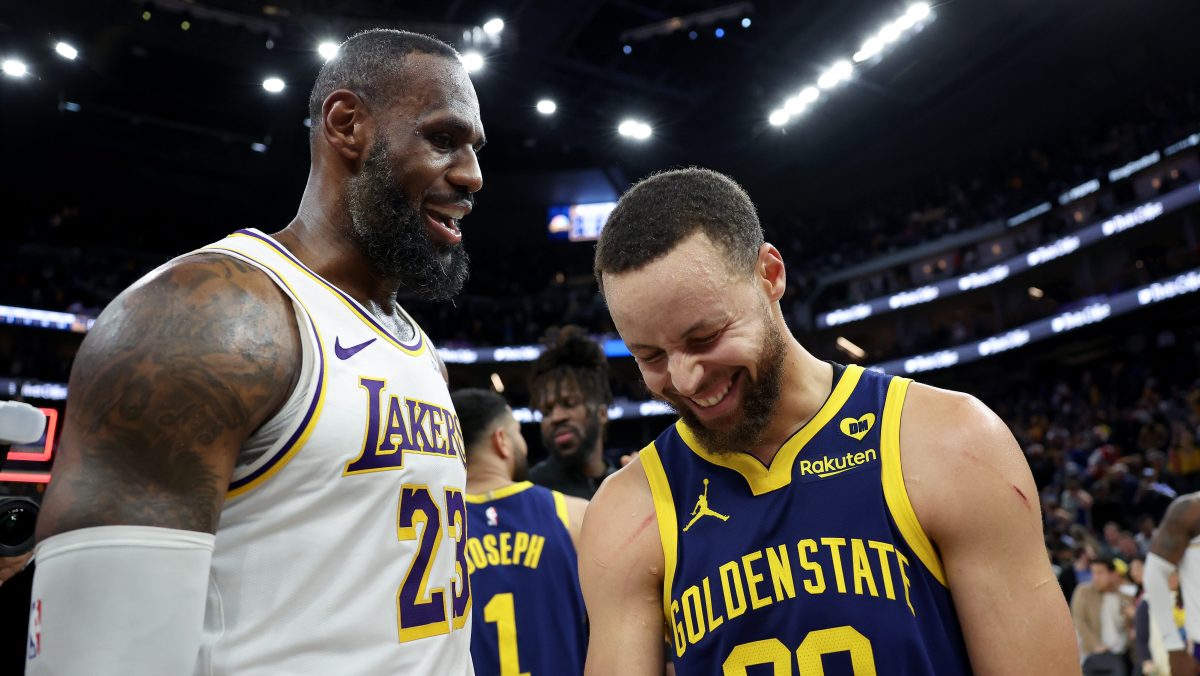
(664, 514)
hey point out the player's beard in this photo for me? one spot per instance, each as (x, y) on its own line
(758, 402)
(589, 437)
(391, 233)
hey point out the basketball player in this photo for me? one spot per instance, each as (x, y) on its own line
(837, 520)
(270, 390)
(568, 384)
(521, 552)
(1173, 549)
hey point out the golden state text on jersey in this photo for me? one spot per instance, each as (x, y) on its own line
(342, 541)
(814, 565)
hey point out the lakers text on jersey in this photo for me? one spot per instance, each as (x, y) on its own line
(815, 564)
(531, 618)
(342, 542)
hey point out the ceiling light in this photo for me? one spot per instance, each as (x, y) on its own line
(869, 48)
(546, 107)
(793, 106)
(472, 61)
(1035, 292)
(836, 74)
(808, 95)
(746, 22)
(66, 51)
(778, 118)
(497, 384)
(273, 85)
(258, 147)
(14, 68)
(327, 49)
(493, 26)
(918, 11)
(720, 33)
(906, 22)
(889, 33)
(634, 129)
(850, 348)
(627, 49)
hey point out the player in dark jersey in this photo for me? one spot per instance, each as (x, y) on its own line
(789, 522)
(529, 616)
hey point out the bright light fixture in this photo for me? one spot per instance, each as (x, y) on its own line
(635, 129)
(869, 48)
(497, 384)
(273, 85)
(493, 26)
(546, 107)
(837, 73)
(472, 61)
(918, 10)
(746, 22)
(906, 21)
(14, 68)
(848, 346)
(66, 51)
(327, 49)
(808, 95)
(890, 33)
(778, 118)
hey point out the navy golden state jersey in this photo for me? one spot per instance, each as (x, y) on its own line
(814, 565)
(529, 617)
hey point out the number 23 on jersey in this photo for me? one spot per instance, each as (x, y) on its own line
(422, 612)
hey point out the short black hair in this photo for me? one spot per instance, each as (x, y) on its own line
(477, 411)
(666, 208)
(571, 355)
(370, 64)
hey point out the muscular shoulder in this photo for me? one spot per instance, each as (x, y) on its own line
(620, 530)
(1179, 525)
(959, 458)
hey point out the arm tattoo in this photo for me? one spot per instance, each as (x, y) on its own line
(168, 385)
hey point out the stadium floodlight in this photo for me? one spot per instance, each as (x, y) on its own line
(546, 107)
(66, 51)
(746, 22)
(808, 95)
(14, 68)
(793, 106)
(906, 21)
(890, 33)
(869, 48)
(472, 61)
(493, 26)
(778, 118)
(835, 75)
(273, 85)
(635, 129)
(327, 49)
(918, 11)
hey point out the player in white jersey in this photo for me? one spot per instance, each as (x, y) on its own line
(261, 471)
(1176, 547)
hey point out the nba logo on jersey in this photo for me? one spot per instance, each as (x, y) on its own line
(35, 629)
(493, 517)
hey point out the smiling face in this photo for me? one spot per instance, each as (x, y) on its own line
(705, 338)
(417, 180)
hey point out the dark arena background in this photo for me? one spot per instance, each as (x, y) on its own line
(1000, 197)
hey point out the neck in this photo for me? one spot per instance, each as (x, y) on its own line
(319, 237)
(595, 467)
(804, 387)
(485, 477)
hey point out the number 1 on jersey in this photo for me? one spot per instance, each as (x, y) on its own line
(500, 610)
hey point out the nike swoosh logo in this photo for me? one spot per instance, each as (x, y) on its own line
(347, 352)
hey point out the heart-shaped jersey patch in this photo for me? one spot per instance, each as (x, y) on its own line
(858, 427)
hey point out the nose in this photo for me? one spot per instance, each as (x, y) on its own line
(558, 413)
(465, 173)
(686, 373)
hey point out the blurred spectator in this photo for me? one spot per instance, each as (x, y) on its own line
(1098, 608)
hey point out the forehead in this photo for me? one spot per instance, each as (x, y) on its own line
(437, 85)
(562, 383)
(666, 297)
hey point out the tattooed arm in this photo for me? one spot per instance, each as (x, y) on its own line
(179, 370)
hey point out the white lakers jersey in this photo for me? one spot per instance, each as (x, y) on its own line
(1189, 587)
(341, 544)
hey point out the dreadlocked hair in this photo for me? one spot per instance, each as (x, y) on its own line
(571, 356)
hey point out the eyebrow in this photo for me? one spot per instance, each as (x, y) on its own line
(697, 325)
(463, 128)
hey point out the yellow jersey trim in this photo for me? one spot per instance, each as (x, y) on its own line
(354, 309)
(321, 389)
(894, 492)
(764, 479)
(664, 513)
(504, 492)
(560, 508)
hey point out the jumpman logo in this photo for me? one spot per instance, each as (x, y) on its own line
(701, 509)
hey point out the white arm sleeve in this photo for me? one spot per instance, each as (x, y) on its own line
(118, 601)
(1161, 600)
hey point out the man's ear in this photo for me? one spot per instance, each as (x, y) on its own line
(771, 273)
(346, 125)
(501, 443)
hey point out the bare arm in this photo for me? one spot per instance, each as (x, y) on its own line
(576, 509)
(1179, 525)
(973, 492)
(179, 370)
(621, 572)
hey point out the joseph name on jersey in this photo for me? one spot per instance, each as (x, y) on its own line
(342, 541)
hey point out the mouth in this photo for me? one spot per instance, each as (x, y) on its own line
(564, 437)
(719, 401)
(442, 222)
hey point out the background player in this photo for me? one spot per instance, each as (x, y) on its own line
(834, 553)
(569, 386)
(223, 393)
(521, 553)
(1173, 550)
